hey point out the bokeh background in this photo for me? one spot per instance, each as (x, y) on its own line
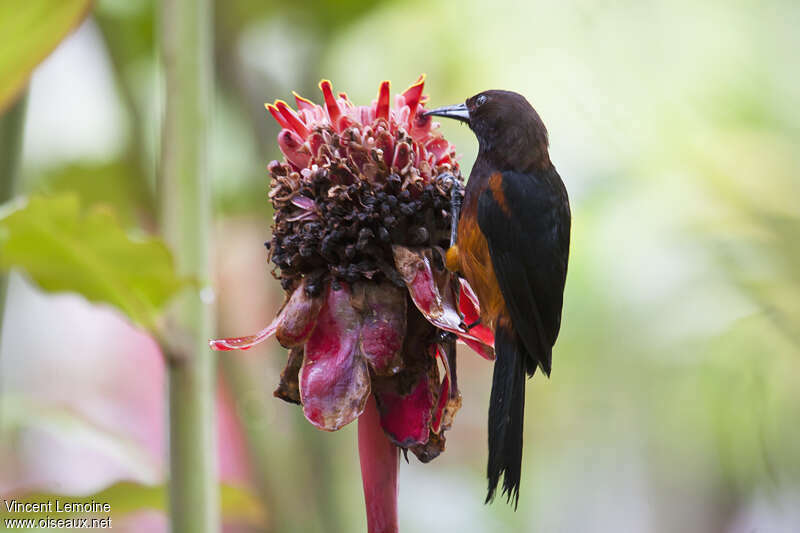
(674, 402)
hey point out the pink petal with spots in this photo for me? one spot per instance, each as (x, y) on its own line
(334, 379)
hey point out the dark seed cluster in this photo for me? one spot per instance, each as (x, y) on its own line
(331, 222)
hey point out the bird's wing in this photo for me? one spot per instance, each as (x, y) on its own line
(526, 221)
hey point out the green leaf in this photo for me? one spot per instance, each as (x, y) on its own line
(31, 30)
(63, 249)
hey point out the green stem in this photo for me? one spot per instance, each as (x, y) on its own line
(11, 130)
(185, 39)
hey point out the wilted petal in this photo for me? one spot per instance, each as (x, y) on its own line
(289, 387)
(406, 418)
(303, 202)
(299, 317)
(334, 379)
(431, 449)
(384, 327)
(449, 400)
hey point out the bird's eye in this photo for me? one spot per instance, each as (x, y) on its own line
(480, 100)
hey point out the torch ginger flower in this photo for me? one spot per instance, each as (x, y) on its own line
(362, 207)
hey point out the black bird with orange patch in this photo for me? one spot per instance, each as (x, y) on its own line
(512, 246)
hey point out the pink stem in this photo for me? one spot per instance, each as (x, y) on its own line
(379, 462)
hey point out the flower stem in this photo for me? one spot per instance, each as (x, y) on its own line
(185, 40)
(379, 462)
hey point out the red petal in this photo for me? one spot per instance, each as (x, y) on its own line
(315, 142)
(439, 147)
(420, 126)
(382, 109)
(334, 380)
(406, 419)
(413, 94)
(384, 326)
(291, 117)
(299, 317)
(277, 116)
(385, 142)
(303, 103)
(343, 123)
(470, 308)
(402, 156)
(487, 352)
(292, 147)
(334, 112)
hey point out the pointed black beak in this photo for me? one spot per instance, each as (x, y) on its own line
(458, 112)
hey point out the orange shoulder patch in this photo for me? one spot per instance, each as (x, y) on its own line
(496, 188)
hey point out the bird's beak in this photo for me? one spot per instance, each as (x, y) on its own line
(458, 112)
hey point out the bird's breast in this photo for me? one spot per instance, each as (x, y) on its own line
(475, 264)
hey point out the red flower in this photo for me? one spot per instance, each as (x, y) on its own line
(362, 215)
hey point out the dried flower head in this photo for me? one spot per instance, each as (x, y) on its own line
(362, 205)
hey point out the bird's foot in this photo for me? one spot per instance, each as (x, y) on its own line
(470, 326)
(455, 206)
(443, 337)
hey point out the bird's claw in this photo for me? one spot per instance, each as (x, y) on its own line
(455, 206)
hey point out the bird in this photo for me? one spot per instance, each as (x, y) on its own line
(512, 246)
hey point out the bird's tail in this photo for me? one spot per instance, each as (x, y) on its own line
(506, 413)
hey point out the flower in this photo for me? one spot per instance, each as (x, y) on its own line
(362, 205)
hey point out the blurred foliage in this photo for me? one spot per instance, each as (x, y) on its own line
(64, 249)
(116, 186)
(31, 30)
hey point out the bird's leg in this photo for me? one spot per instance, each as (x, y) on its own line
(455, 207)
(451, 257)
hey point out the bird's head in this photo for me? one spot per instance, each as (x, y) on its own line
(508, 129)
